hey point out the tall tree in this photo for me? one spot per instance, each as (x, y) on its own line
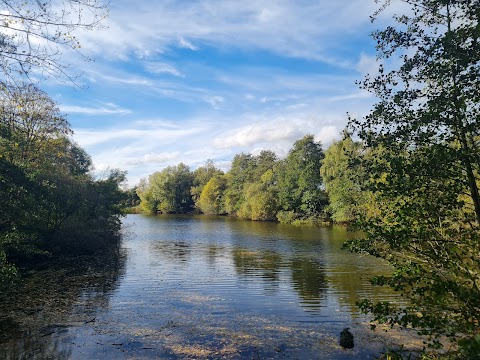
(299, 182)
(49, 201)
(148, 203)
(264, 161)
(241, 172)
(211, 200)
(261, 200)
(31, 125)
(342, 179)
(201, 177)
(426, 177)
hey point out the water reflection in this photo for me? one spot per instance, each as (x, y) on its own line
(197, 287)
(309, 260)
(265, 264)
(36, 317)
(309, 280)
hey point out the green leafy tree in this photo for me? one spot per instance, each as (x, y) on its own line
(241, 172)
(212, 200)
(264, 161)
(168, 191)
(261, 199)
(245, 185)
(426, 177)
(49, 203)
(201, 177)
(342, 178)
(85, 213)
(300, 184)
(132, 200)
(147, 201)
(31, 126)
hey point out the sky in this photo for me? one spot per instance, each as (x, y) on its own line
(186, 81)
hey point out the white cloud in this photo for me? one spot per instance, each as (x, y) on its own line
(130, 80)
(153, 158)
(368, 65)
(163, 68)
(146, 135)
(214, 101)
(186, 44)
(278, 132)
(258, 132)
(328, 134)
(107, 109)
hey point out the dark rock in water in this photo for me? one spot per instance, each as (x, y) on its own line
(346, 339)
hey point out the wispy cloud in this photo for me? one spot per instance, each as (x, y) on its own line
(285, 27)
(153, 158)
(214, 101)
(184, 43)
(155, 135)
(130, 80)
(163, 68)
(107, 109)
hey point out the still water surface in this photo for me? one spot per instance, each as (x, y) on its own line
(203, 288)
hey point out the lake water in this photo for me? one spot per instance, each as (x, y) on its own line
(199, 287)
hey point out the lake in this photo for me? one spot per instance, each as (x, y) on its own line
(200, 287)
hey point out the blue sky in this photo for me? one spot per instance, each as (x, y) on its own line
(186, 81)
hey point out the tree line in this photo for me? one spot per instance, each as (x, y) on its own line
(309, 186)
(261, 187)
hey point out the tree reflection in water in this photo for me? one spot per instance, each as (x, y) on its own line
(37, 315)
(308, 279)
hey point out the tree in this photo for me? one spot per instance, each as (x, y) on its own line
(201, 177)
(261, 200)
(34, 34)
(264, 161)
(31, 125)
(211, 200)
(426, 177)
(299, 181)
(241, 172)
(342, 179)
(132, 200)
(49, 203)
(168, 191)
(147, 202)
